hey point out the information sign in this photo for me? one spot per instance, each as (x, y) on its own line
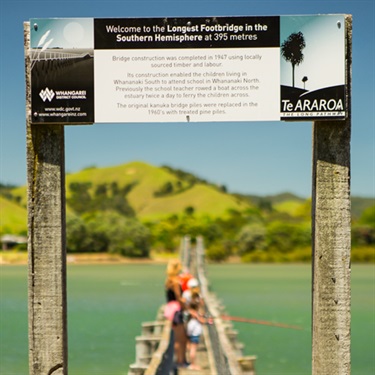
(188, 69)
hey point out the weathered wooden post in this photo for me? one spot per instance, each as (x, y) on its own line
(331, 239)
(46, 240)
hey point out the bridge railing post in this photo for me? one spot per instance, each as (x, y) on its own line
(331, 222)
(46, 240)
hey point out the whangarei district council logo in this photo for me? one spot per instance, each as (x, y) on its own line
(47, 94)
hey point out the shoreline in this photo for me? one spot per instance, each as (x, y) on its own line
(21, 258)
(9, 258)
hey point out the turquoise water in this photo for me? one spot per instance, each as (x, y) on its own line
(106, 306)
(108, 303)
(271, 293)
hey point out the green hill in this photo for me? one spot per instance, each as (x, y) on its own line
(156, 192)
(294, 207)
(13, 217)
(360, 204)
(203, 199)
(147, 181)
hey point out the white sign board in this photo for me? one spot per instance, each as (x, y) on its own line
(188, 69)
(187, 85)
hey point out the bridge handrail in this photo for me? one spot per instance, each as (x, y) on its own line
(230, 365)
(162, 359)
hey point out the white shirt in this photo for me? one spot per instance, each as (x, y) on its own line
(194, 328)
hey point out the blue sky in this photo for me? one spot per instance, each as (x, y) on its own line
(252, 158)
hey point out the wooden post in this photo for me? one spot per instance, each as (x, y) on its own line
(331, 221)
(46, 240)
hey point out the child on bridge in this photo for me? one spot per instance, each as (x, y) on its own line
(195, 329)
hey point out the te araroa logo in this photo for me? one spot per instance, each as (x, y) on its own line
(47, 94)
(306, 105)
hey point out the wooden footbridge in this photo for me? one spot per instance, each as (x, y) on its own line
(219, 352)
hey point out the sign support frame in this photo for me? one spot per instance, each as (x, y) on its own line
(331, 225)
(47, 298)
(331, 229)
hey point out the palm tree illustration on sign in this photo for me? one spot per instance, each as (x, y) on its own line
(291, 50)
(304, 80)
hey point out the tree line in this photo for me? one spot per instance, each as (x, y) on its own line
(102, 220)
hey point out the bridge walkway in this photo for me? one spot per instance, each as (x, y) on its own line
(219, 352)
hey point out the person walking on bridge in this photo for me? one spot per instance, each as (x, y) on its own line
(195, 330)
(174, 310)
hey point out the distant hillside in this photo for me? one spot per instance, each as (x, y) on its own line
(275, 199)
(156, 192)
(288, 202)
(13, 219)
(359, 204)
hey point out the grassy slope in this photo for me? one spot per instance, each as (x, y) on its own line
(290, 207)
(204, 199)
(20, 192)
(13, 218)
(296, 208)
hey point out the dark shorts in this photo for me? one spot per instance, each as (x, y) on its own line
(178, 318)
(194, 339)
